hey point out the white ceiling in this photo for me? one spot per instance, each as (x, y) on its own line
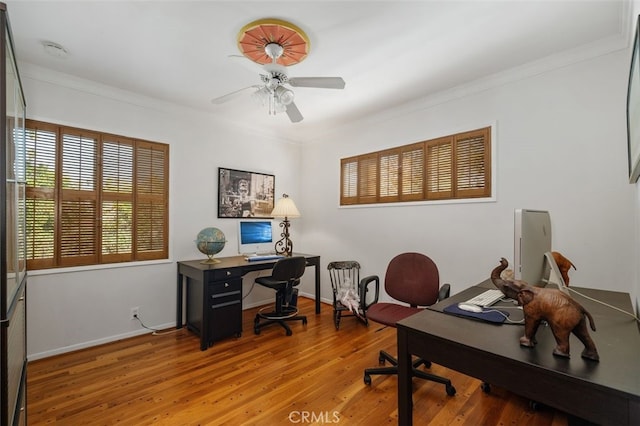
(388, 52)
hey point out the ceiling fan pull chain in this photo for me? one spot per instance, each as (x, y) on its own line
(272, 104)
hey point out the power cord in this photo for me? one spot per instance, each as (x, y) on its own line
(156, 332)
(605, 304)
(260, 274)
(250, 290)
(506, 317)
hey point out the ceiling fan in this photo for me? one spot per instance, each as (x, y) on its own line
(272, 40)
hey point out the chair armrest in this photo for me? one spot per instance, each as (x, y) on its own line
(444, 291)
(364, 289)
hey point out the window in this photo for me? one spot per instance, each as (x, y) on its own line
(94, 198)
(451, 167)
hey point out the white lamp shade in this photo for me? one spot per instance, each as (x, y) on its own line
(285, 207)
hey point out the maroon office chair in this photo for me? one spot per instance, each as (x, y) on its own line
(411, 278)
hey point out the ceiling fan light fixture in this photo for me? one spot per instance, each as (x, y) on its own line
(284, 95)
(274, 51)
(262, 96)
(278, 107)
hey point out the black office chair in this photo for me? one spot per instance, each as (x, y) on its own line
(411, 278)
(284, 277)
(350, 294)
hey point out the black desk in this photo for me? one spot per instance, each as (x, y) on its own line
(607, 392)
(214, 294)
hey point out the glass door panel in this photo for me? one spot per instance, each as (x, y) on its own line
(15, 177)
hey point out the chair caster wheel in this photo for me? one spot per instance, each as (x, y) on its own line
(486, 387)
(451, 390)
(256, 330)
(367, 379)
(304, 321)
(289, 332)
(381, 361)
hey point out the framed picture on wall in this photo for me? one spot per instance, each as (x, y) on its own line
(244, 194)
(633, 109)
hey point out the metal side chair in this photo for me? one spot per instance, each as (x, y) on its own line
(350, 294)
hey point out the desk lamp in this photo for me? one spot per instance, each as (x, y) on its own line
(285, 208)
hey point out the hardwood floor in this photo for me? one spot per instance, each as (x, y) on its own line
(314, 376)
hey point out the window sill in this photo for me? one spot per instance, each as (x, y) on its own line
(423, 203)
(97, 267)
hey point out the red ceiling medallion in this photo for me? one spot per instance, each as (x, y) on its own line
(254, 37)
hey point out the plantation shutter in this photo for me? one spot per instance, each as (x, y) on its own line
(79, 199)
(117, 200)
(389, 166)
(349, 179)
(368, 179)
(412, 181)
(451, 167)
(472, 165)
(94, 198)
(40, 147)
(439, 168)
(152, 188)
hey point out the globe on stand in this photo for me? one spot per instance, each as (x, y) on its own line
(210, 241)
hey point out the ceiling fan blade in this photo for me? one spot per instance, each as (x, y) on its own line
(319, 82)
(294, 113)
(233, 95)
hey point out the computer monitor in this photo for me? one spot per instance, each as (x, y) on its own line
(532, 239)
(255, 237)
(532, 260)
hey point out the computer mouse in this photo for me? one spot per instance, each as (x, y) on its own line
(469, 307)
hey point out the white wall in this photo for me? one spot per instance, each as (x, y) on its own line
(79, 307)
(561, 146)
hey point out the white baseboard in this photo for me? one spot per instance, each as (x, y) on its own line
(91, 343)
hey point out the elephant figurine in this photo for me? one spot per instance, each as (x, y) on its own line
(563, 314)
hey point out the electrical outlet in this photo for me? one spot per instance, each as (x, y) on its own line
(135, 312)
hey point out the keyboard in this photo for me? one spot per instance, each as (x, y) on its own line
(486, 298)
(263, 257)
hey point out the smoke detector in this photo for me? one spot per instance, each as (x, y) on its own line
(54, 49)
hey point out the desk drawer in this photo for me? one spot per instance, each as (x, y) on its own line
(224, 309)
(225, 320)
(223, 274)
(227, 298)
(224, 287)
